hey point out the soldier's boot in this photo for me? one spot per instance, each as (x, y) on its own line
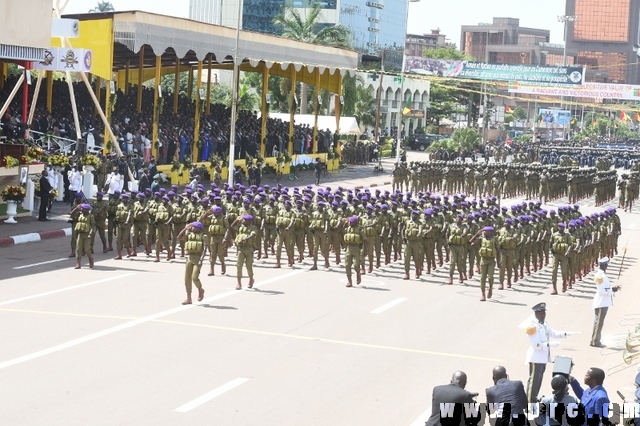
(266, 252)
(73, 253)
(251, 282)
(406, 276)
(490, 292)
(315, 266)
(528, 270)
(223, 267)
(291, 261)
(104, 248)
(363, 269)
(77, 265)
(170, 254)
(446, 258)
(349, 282)
(118, 256)
(483, 298)
(461, 278)
(182, 252)
(564, 286)
(477, 269)
(428, 268)
(508, 283)
(370, 267)
(521, 274)
(239, 285)
(377, 263)
(515, 277)
(535, 267)
(395, 257)
(300, 258)
(187, 301)
(157, 258)
(91, 263)
(326, 263)
(133, 253)
(337, 257)
(110, 248)
(212, 271)
(450, 281)
(200, 294)
(387, 259)
(147, 250)
(418, 272)
(470, 272)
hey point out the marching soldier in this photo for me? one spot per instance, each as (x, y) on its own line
(73, 217)
(100, 211)
(319, 226)
(284, 222)
(218, 228)
(336, 225)
(245, 241)
(560, 245)
(84, 226)
(114, 201)
(353, 238)
(412, 233)
(162, 221)
(180, 213)
(457, 239)
(123, 221)
(269, 227)
(196, 249)
(489, 251)
(140, 220)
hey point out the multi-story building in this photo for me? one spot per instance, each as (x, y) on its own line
(505, 42)
(606, 36)
(374, 24)
(416, 44)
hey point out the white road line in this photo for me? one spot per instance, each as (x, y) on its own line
(61, 290)
(529, 320)
(422, 419)
(40, 263)
(388, 305)
(210, 395)
(130, 324)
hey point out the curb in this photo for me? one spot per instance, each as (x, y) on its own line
(34, 237)
(373, 185)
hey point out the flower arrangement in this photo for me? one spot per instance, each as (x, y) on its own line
(175, 166)
(14, 193)
(187, 164)
(283, 157)
(9, 162)
(58, 160)
(259, 158)
(90, 160)
(34, 152)
(54, 193)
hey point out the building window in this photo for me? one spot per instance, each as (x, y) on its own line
(602, 20)
(614, 64)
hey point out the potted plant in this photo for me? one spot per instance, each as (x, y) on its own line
(58, 161)
(13, 195)
(9, 162)
(90, 162)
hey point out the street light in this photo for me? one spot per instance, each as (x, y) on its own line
(565, 19)
(484, 89)
(400, 107)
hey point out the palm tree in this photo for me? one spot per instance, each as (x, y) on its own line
(365, 107)
(103, 6)
(247, 99)
(296, 27)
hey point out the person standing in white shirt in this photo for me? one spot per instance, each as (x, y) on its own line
(52, 177)
(539, 354)
(91, 141)
(114, 182)
(75, 182)
(602, 300)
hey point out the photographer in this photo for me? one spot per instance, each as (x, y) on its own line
(560, 408)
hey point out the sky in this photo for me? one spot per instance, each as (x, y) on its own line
(447, 15)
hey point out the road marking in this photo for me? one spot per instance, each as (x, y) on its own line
(529, 320)
(127, 325)
(61, 290)
(40, 263)
(422, 419)
(210, 395)
(388, 305)
(266, 333)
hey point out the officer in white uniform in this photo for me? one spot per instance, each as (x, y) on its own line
(538, 354)
(602, 300)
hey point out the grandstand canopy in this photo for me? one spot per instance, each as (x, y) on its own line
(116, 39)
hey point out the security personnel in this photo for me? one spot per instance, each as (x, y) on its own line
(123, 222)
(471, 247)
(100, 211)
(412, 233)
(152, 205)
(73, 217)
(114, 201)
(457, 240)
(560, 245)
(177, 224)
(353, 238)
(284, 222)
(508, 239)
(602, 300)
(269, 234)
(84, 226)
(140, 221)
(196, 248)
(368, 223)
(319, 226)
(489, 252)
(300, 222)
(244, 241)
(336, 226)
(429, 239)
(538, 354)
(218, 227)
(162, 222)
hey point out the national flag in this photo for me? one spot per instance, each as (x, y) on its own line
(636, 116)
(508, 110)
(624, 116)
(407, 107)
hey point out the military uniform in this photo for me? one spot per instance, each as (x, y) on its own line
(489, 252)
(100, 210)
(162, 221)
(245, 241)
(560, 244)
(284, 221)
(412, 232)
(83, 228)
(353, 239)
(123, 221)
(457, 245)
(319, 226)
(195, 244)
(217, 228)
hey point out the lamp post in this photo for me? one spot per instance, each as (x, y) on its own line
(565, 19)
(400, 107)
(234, 101)
(484, 86)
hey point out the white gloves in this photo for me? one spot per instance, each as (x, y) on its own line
(571, 333)
(553, 344)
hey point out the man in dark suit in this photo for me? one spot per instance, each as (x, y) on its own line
(509, 398)
(45, 193)
(453, 393)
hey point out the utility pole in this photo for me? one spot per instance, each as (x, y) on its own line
(378, 100)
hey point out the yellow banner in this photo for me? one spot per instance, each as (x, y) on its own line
(97, 36)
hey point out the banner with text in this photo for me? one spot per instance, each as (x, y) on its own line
(573, 76)
(588, 90)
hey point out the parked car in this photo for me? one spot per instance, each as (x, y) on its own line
(422, 141)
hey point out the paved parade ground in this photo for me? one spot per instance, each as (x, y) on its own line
(114, 346)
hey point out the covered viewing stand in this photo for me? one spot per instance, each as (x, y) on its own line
(132, 47)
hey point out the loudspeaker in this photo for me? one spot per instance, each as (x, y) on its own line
(81, 148)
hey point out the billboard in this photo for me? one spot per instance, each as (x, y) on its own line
(587, 90)
(533, 74)
(554, 116)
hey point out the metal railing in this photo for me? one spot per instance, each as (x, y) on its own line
(51, 142)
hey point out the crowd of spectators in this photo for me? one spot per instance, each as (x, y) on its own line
(176, 137)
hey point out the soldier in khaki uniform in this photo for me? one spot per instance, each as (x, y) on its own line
(269, 233)
(177, 224)
(196, 249)
(140, 221)
(217, 230)
(353, 238)
(83, 228)
(300, 221)
(162, 221)
(100, 208)
(319, 226)
(489, 251)
(368, 223)
(245, 242)
(114, 201)
(508, 240)
(336, 225)
(123, 221)
(560, 245)
(412, 234)
(457, 239)
(73, 217)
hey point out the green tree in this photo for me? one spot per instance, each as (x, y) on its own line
(248, 100)
(365, 107)
(293, 25)
(443, 103)
(103, 6)
(446, 53)
(350, 83)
